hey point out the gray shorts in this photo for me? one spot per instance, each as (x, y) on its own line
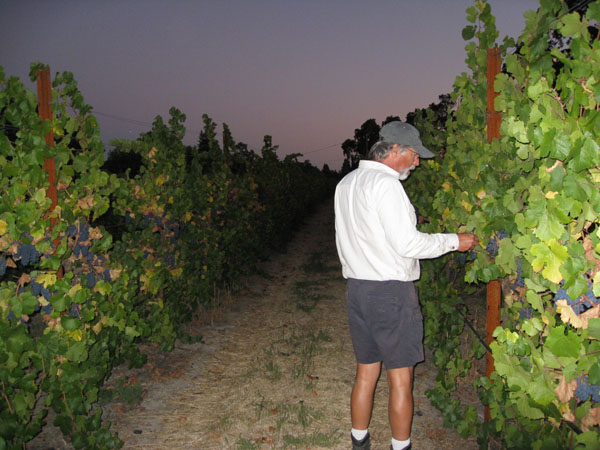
(385, 322)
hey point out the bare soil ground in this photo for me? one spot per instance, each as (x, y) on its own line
(274, 370)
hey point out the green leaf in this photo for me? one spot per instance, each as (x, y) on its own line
(589, 439)
(77, 352)
(65, 424)
(468, 32)
(59, 302)
(563, 345)
(534, 300)
(527, 410)
(571, 25)
(69, 323)
(540, 392)
(594, 374)
(560, 146)
(549, 227)
(586, 157)
(29, 302)
(594, 328)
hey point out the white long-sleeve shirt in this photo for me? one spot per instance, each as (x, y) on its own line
(376, 227)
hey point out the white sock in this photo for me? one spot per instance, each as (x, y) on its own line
(399, 445)
(359, 435)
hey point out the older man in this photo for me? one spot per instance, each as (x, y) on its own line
(379, 247)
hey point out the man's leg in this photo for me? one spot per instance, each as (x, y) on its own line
(400, 408)
(361, 402)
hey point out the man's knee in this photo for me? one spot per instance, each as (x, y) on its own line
(400, 379)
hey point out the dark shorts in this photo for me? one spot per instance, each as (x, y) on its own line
(385, 322)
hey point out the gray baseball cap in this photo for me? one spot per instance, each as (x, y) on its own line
(402, 133)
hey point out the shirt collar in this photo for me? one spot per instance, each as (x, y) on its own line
(376, 165)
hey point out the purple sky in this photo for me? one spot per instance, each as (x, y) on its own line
(305, 72)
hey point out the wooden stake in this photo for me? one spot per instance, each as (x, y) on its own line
(44, 89)
(494, 291)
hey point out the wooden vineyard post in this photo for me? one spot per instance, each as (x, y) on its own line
(494, 291)
(44, 92)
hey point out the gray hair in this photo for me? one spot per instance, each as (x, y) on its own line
(381, 149)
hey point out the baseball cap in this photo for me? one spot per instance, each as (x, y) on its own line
(402, 133)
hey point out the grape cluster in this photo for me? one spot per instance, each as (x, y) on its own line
(525, 313)
(27, 254)
(38, 289)
(586, 390)
(519, 280)
(494, 243)
(90, 267)
(580, 304)
(2, 266)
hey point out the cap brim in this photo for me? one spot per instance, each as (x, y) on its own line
(423, 152)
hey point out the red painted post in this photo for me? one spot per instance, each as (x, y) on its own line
(44, 90)
(494, 291)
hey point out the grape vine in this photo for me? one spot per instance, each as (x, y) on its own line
(532, 197)
(74, 302)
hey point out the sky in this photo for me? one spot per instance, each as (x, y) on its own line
(306, 72)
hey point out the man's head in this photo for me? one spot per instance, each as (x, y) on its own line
(404, 134)
(399, 147)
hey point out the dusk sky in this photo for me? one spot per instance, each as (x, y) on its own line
(305, 72)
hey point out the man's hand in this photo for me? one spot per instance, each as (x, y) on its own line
(467, 241)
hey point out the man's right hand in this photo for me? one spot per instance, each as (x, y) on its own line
(467, 241)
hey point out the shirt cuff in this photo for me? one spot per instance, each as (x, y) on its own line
(453, 242)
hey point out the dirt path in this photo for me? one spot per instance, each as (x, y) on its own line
(275, 372)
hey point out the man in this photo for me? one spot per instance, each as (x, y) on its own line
(379, 247)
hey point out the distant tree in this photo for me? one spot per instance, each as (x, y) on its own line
(364, 137)
(440, 112)
(228, 142)
(119, 161)
(269, 151)
(358, 148)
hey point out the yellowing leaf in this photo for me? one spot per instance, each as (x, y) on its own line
(551, 194)
(188, 216)
(3, 226)
(40, 196)
(446, 213)
(76, 335)
(565, 390)
(481, 194)
(446, 186)
(591, 419)
(86, 202)
(160, 180)
(74, 290)
(46, 279)
(559, 256)
(467, 205)
(98, 327)
(567, 315)
(115, 273)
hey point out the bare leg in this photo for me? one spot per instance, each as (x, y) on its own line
(400, 408)
(361, 402)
